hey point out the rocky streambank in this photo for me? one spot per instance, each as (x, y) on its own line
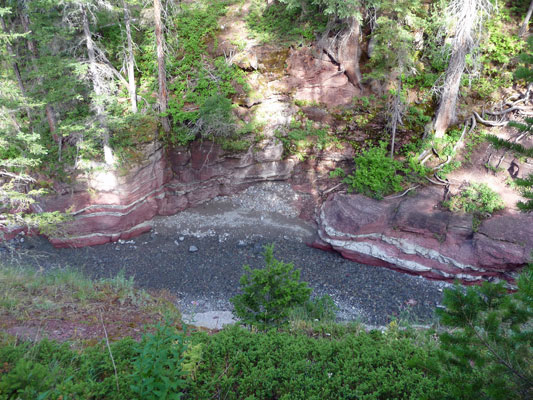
(198, 255)
(411, 234)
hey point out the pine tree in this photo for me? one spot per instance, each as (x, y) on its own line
(488, 345)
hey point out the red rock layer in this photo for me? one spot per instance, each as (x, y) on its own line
(413, 235)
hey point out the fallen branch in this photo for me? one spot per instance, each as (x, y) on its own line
(332, 189)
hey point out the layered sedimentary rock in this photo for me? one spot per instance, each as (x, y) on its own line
(113, 205)
(412, 234)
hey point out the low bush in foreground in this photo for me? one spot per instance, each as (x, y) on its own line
(483, 353)
(233, 364)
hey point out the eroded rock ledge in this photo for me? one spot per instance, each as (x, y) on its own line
(413, 235)
(110, 205)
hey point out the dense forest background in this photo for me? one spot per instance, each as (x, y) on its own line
(84, 82)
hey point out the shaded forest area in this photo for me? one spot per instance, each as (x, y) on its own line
(85, 82)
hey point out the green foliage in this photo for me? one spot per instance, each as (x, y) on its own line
(269, 294)
(394, 51)
(488, 347)
(302, 136)
(26, 381)
(284, 22)
(525, 72)
(239, 364)
(500, 143)
(316, 309)
(157, 370)
(376, 174)
(49, 370)
(526, 187)
(476, 198)
(197, 77)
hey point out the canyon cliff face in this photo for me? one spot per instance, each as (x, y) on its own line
(110, 206)
(413, 235)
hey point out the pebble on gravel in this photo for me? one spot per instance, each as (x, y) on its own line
(193, 249)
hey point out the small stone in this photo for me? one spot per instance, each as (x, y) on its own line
(182, 238)
(176, 243)
(241, 243)
(193, 249)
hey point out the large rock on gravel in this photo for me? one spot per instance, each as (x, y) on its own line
(412, 234)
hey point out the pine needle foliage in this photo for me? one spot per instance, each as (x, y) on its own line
(488, 349)
(271, 293)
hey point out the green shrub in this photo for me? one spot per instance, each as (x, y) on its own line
(28, 380)
(269, 294)
(488, 345)
(158, 367)
(476, 198)
(239, 364)
(376, 174)
(50, 370)
(215, 119)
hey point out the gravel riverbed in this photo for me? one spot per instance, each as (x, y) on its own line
(198, 255)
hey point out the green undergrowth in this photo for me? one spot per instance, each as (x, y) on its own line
(302, 137)
(482, 326)
(197, 73)
(377, 175)
(234, 364)
(476, 198)
(277, 23)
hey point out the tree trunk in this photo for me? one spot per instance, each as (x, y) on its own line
(465, 13)
(446, 111)
(15, 66)
(349, 52)
(396, 116)
(32, 47)
(525, 25)
(130, 60)
(162, 76)
(98, 86)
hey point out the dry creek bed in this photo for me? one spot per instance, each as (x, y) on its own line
(198, 255)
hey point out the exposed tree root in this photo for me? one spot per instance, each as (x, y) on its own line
(471, 123)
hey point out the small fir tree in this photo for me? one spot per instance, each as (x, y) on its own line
(269, 294)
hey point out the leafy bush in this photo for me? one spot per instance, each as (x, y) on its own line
(215, 119)
(489, 342)
(376, 174)
(476, 198)
(50, 370)
(269, 294)
(158, 367)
